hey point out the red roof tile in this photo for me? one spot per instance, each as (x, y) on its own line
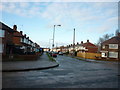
(113, 40)
(88, 44)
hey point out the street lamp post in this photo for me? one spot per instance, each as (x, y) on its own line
(54, 36)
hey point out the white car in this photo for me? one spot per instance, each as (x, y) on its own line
(60, 53)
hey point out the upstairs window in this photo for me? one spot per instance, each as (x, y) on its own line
(22, 40)
(1, 48)
(103, 47)
(113, 46)
(2, 33)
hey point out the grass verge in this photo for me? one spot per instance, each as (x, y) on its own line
(50, 58)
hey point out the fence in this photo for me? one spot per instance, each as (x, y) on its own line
(89, 55)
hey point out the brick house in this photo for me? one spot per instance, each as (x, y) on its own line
(23, 44)
(86, 47)
(6, 37)
(17, 41)
(87, 50)
(79, 47)
(110, 49)
(90, 47)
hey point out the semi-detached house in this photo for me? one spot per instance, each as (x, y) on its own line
(14, 42)
(110, 49)
(6, 39)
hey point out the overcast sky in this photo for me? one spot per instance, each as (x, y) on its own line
(36, 19)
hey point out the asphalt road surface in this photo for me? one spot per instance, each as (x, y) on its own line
(71, 73)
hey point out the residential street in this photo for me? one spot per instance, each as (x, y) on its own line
(71, 73)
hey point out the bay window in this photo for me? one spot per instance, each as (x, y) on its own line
(113, 54)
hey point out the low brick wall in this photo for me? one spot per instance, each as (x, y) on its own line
(20, 57)
(26, 57)
(88, 55)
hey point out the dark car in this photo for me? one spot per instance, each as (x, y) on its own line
(54, 54)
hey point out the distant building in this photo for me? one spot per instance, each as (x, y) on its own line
(87, 50)
(86, 47)
(90, 47)
(46, 49)
(110, 49)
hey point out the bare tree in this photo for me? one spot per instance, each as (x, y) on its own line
(116, 32)
(104, 38)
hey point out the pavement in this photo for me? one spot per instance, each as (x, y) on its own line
(96, 61)
(42, 63)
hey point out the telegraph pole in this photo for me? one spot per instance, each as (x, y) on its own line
(74, 42)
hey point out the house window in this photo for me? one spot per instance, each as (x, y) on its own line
(103, 47)
(113, 54)
(24, 40)
(1, 48)
(2, 33)
(21, 40)
(113, 46)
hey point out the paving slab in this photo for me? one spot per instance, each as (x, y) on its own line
(42, 63)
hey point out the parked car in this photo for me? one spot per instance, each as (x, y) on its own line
(60, 53)
(54, 54)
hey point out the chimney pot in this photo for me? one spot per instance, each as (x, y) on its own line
(25, 35)
(87, 40)
(21, 32)
(15, 27)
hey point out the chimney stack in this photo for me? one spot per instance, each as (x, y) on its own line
(25, 35)
(81, 42)
(87, 40)
(15, 27)
(21, 32)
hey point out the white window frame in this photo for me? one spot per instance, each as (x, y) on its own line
(115, 55)
(113, 45)
(103, 47)
(1, 48)
(104, 54)
(2, 33)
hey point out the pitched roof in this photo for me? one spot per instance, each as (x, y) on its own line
(88, 44)
(113, 40)
(17, 34)
(5, 27)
